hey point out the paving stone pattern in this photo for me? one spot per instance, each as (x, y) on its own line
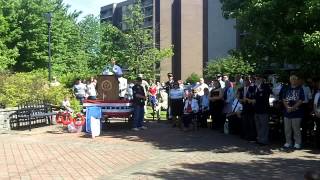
(161, 152)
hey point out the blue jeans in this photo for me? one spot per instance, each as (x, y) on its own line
(138, 115)
(80, 98)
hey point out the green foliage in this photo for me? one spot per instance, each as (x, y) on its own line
(24, 37)
(113, 45)
(68, 79)
(277, 31)
(134, 48)
(7, 54)
(19, 88)
(230, 65)
(75, 105)
(193, 78)
(90, 32)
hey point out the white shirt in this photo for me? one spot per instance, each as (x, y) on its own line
(91, 89)
(222, 84)
(80, 89)
(66, 103)
(200, 88)
(123, 86)
(176, 93)
(236, 106)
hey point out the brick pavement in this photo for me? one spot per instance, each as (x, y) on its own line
(161, 152)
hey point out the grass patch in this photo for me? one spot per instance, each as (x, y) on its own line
(148, 114)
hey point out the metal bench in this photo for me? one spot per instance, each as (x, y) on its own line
(32, 113)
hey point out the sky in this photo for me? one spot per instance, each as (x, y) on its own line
(88, 6)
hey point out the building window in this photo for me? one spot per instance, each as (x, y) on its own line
(148, 11)
(107, 13)
(148, 22)
(147, 3)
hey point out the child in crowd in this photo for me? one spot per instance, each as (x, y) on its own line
(66, 104)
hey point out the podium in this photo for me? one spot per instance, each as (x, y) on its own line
(107, 87)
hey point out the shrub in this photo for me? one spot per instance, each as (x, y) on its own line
(69, 79)
(19, 88)
(193, 78)
(230, 65)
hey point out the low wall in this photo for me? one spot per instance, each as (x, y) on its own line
(4, 118)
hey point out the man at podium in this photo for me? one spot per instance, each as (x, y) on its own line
(113, 68)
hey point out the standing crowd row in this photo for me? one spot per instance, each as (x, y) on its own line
(246, 105)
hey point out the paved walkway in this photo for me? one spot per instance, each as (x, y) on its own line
(161, 152)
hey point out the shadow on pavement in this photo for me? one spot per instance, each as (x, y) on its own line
(163, 136)
(262, 169)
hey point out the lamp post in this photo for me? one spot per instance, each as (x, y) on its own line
(48, 17)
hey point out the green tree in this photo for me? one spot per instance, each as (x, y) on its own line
(113, 45)
(9, 54)
(193, 78)
(90, 32)
(230, 65)
(135, 46)
(27, 36)
(141, 45)
(277, 31)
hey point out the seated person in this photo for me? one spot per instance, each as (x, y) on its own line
(191, 107)
(234, 117)
(66, 105)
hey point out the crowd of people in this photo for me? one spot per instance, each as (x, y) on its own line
(245, 105)
(242, 106)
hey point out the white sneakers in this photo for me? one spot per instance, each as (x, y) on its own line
(140, 128)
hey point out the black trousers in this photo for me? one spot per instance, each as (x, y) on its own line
(234, 124)
(217, 115)
(248, 128)
(187, 119)
(307, 123)
(203, 117)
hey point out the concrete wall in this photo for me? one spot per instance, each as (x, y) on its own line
(165, 28)
(4, 118)
(222, 35)
(191, 37)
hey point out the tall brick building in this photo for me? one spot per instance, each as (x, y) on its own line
(195, 28)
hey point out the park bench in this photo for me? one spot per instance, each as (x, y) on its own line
(31, 114)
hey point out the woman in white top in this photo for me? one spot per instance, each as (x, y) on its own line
(91, 90)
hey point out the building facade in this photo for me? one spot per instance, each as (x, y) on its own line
(195, 28)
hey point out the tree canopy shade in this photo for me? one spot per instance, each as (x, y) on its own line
(277, 31)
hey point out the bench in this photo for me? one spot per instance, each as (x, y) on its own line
(31, 114)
